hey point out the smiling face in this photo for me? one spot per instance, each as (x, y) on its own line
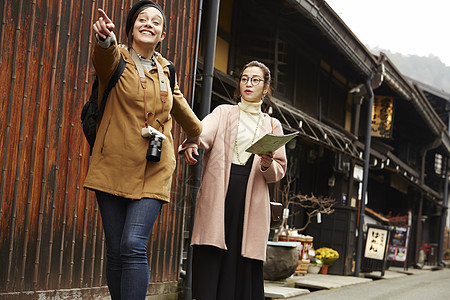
(148, 30)
(252, 91)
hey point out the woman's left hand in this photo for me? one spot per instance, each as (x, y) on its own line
(266, 160)
(189, 155)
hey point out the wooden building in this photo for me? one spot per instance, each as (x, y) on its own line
(51, 234)
(320, 72)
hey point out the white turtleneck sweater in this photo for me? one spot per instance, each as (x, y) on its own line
(248, 129)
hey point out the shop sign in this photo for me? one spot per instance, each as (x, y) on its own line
(376, 243)
(398, 244)
(382, 113)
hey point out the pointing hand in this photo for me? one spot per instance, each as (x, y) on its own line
(103, 26)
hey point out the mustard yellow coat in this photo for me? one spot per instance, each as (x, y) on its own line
(118, 164)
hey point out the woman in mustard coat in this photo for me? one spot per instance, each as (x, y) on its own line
(232, 213)
(131, 189)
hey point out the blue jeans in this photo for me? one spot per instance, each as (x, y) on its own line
(127, 224)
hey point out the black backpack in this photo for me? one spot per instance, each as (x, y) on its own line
(91, 114)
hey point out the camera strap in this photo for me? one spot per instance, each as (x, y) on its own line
(143, 80)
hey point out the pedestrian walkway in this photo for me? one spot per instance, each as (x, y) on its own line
(446, 263)
(395, 272)
(388, 274)
(320, 282)
(272, 290)
(294, 287)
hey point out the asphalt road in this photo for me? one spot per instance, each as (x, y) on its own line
(426, 286)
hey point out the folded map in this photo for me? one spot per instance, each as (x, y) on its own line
(270, 142)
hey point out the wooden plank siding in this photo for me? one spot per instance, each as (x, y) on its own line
(50, 227)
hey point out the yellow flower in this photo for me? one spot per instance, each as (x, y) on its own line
(327, 255)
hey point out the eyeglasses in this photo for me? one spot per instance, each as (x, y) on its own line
(254, 80)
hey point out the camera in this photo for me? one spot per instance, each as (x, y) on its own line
(155, 144)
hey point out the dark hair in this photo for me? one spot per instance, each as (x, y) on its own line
(134, 13)
(267, 79)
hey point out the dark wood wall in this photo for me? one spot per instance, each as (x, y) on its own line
(51, 234)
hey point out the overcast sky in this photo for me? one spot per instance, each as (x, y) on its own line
(401, 26)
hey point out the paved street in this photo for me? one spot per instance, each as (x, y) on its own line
(424, 285)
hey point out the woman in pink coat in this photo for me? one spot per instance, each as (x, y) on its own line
(232, 215)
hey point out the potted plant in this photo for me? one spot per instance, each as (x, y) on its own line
(312, 205)
(315, 264)
(278, 250)
(328, 256)
(423, 253)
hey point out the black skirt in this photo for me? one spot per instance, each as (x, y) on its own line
(224, 274)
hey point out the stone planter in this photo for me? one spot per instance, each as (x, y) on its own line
(313, 269)
(281, 260)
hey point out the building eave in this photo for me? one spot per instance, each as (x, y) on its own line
(332, 26)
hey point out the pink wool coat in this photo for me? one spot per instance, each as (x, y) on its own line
(218, 139)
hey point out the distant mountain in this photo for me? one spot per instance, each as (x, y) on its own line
(430, 70)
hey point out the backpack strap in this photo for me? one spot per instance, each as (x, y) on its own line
(112, 82)
(172, 75)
